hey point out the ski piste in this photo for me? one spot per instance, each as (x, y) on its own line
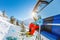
(10, 31)
(4, 27)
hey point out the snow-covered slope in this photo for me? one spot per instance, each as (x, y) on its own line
(9, 31)
(15, 32)
(4, 27)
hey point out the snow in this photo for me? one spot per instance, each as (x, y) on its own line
(9, 30)
(4, 27)
(15, 31)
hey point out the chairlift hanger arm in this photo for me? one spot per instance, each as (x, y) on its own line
(38, 3)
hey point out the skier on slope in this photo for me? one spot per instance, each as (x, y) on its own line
(34, 26)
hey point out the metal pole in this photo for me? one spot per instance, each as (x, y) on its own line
(39, 32)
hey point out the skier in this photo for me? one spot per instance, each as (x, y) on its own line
(34, 26)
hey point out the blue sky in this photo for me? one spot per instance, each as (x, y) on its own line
(20, 9)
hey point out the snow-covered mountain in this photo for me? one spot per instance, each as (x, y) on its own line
(28, 21)
(10, 31)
